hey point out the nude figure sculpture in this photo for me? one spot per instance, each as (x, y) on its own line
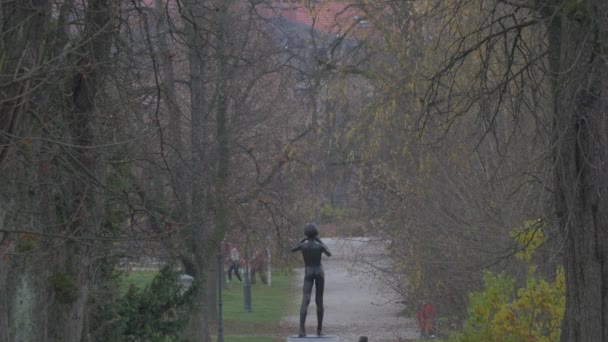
(312, 250)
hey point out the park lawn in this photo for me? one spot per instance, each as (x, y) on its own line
(268, 305)
(246, 339)
(139, 279)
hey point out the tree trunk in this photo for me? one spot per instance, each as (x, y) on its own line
(72, 276)
(23, 289)
(173, 143)
(580, 161)
(212, 276)
(4, 269)
(198, 328)
(223, 147)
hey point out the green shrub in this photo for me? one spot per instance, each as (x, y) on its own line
(502, 313)
(156, 313)
(533, 313)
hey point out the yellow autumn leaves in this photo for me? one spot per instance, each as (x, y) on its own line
(502, 312)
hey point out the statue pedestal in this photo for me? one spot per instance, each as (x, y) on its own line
(314, 338)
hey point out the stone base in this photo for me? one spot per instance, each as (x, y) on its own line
(314, 338)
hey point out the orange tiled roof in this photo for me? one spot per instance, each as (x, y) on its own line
(337, 17)
(328, 17)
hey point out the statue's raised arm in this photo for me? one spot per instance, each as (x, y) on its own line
(298, 246)
(325, 249)
(316, 239)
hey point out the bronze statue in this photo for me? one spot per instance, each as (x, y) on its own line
(312, 250)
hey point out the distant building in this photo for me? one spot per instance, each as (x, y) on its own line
(342, 18)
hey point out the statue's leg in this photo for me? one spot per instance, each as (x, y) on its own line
(307, 291)
(319, 287)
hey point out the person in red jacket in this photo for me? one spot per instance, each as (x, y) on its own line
(426, 321)
(258, 263)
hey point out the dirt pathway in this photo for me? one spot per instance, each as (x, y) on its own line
(356, 303)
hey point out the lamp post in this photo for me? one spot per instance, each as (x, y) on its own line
(247, 287)
(247, 282)
(269, 261)
(220, 324)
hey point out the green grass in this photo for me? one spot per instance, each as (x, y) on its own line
(246, 339)
(267, 302)
(268, 305)
(138, 279)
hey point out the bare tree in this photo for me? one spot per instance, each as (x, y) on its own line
(443, 186)
(554, 47)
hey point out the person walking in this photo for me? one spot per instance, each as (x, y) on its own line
(234, 264)
(257, 266)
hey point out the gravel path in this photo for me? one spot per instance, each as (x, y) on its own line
(356, 303)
